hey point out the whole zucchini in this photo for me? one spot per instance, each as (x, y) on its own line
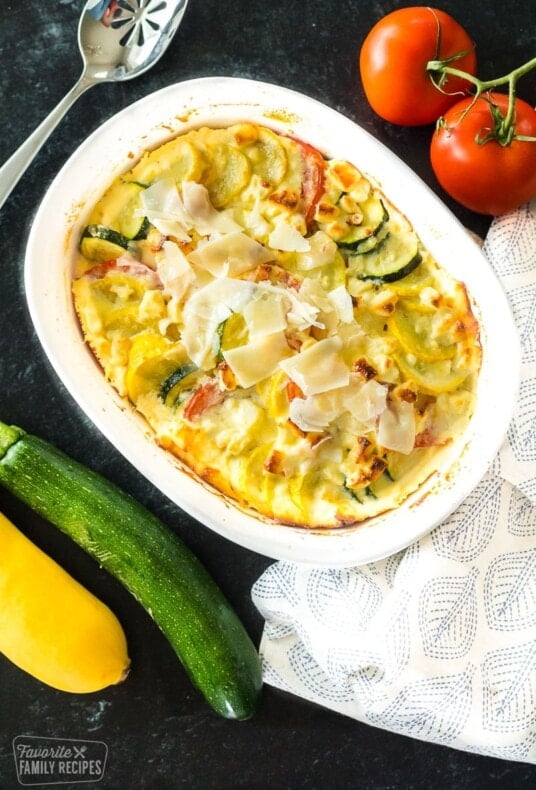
(148, 559)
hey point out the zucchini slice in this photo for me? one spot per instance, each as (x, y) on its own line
(118, 209)
(232, 332)
(392, 259)
(360, 237)
(144, 226)
(100, 243)
(177, 382)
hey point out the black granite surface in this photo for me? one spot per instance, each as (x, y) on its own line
(158, 730)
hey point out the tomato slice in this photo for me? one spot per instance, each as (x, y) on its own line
(204, 398)
(314, 166)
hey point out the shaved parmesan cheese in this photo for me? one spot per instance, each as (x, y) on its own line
(312, 292)
(205, 310)
(300, 313)
(307, 414)
(303, 315)
(319, 368)
(230, 255)
(396, 428)
(162, 206)
(322, 250)
(219, 299)
(366, 401)
(199, 340)
(342, 301)
(204, 217)
(174, 270)
(257, 360)
(266, 313)
(285, 237)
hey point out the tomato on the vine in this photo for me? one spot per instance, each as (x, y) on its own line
(483, 173)
(393, 61)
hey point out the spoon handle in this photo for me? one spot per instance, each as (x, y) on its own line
(12, 170)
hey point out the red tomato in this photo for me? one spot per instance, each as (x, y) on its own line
(206, 396)
(393, 62)
(314, 166)
(486, 177)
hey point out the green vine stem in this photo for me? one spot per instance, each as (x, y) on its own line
(504, 131)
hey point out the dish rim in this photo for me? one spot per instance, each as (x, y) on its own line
(219, 101)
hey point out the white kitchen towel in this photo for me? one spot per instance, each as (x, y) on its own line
(437, 642)
(510, 247)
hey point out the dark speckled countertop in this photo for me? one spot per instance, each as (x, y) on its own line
(158, 731)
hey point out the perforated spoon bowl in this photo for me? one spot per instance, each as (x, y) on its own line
(118, 40)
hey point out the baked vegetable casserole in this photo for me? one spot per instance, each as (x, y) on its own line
(278, 323)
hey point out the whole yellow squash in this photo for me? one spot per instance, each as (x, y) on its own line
(50, 625)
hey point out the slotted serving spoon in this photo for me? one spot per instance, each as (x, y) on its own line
(118, 40)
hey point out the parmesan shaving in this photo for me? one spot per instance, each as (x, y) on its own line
(174, 270)
(396, 428)
(322, 250)
(199, 340)
(230, 255)
(286, 238)
(342, 302)
(162, 206)
(265, 314)
(366, 402)
(257, 360)
(205, 310)
(204, 217)
(319, 368)
(307, 414)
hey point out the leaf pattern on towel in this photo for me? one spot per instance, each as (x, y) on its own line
(510, 243)
(521, 515)
(470, 528)
(278, 585)
(524, 310)
(433, 709)
(448, 615)
(522, 430)
(343, 599)
(401, 566)
(509, 688)
(510, 591)
(397, 637)
(360, 671)
(271, 676)
(313, 678)
(277, 630)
